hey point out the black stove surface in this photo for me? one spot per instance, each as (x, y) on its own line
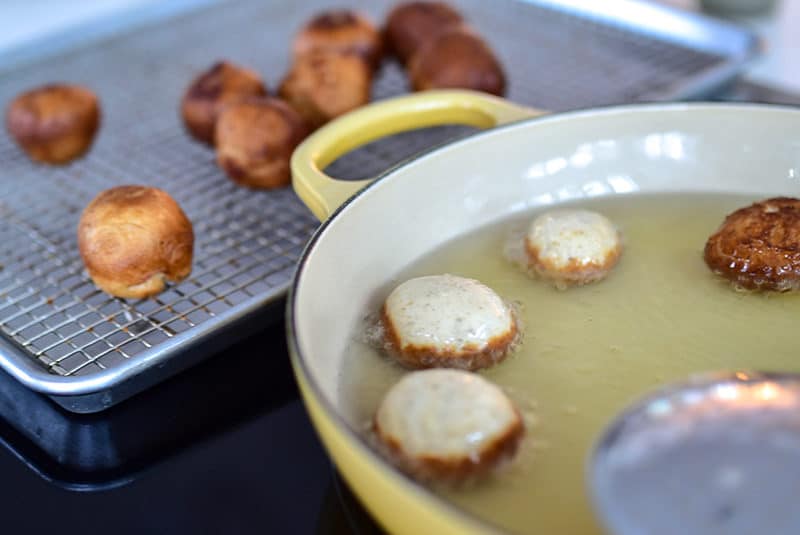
(217, 449)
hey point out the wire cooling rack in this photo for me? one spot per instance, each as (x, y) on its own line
(64, 337)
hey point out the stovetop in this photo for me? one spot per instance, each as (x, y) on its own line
(213, 450)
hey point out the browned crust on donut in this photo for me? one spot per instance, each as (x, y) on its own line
(471, 358)
(758, 247)
(134, 238)
(454, 469)
(456, 58)
(341, 30)
(575, 273)
(223, 84)
(255, 140)
(411, 24)
(54, 123)
(322, 85)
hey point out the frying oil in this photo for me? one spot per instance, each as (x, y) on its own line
(589, 351)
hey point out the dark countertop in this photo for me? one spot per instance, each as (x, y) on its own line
(236, 454)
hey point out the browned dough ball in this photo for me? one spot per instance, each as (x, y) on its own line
(341, 31)
(222, 84)
(133, 239)
(447, 321)
(447, 425)
(322, 85)
(410, 24)
(571, 247)
(54, 123)
(456, 58)
(255, 141)
(758, 247)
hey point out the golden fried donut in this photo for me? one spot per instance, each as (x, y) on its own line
(222, 84)
(456, 58)
(758, 247)
(322, 85)
(133, 239)
(54, 123)
(447, 425)
(341, 31)
(572, 247)
(255, 140)
(446, 321)
(411, 24)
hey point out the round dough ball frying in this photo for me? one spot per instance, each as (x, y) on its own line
(255, 141)
(445, 321)
(572, 247)
(758, 247)
(411, 24)
(341, 31)
(447, 425)
(456, 58)
(54, 123)
(322, 85)
(133, 239)
(224, 83)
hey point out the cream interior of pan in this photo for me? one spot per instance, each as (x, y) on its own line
(752, 152)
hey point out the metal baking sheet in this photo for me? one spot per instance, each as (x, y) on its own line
(63, 337)
(105, 450)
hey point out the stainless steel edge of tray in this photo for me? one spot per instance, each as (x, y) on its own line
(95, 29)
(63, 337)
(700, 32)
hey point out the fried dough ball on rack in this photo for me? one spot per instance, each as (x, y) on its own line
(758, 247)
(224, 83)
(55, 123)
(341, 31)
(572, 247)
(323, 85)
(445, 321)
(133, 239)
(456, 58)
(447, 425)
(411, 24)
(255, 141)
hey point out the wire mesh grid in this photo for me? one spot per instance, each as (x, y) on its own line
(247, 243)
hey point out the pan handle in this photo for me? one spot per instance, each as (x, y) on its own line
(323, 194)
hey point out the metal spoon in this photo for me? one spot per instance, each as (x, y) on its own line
(716, 455)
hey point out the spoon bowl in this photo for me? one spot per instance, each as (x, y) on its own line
(718, 454)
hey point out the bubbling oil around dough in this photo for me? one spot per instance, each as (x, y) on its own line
(588, 351)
